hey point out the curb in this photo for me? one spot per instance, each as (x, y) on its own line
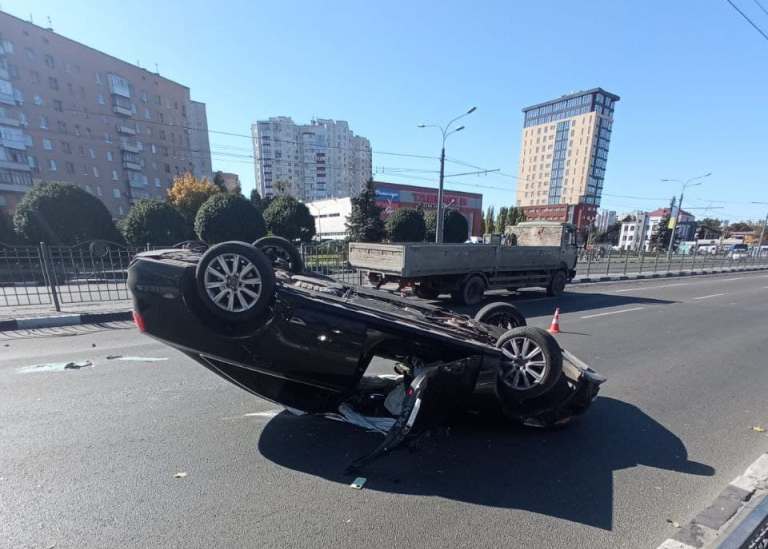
(645, 276)
(63, 320)
(735, 519)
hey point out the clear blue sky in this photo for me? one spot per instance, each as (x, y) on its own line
(692, 76)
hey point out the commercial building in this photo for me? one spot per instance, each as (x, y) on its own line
(564, 152)
(604, 220)
(323, 159)
(685, 230)
(581, 215)
(73, 114)
(331, 214)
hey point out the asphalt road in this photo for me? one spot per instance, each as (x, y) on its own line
(88, 456)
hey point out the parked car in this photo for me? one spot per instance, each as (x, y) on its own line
(249, 313)
(739, 251)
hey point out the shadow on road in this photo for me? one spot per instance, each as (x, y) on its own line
(567, 473)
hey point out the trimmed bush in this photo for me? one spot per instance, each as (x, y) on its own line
(406, 225)
(7, 234)
(287, 217)
(430, 225)
(228, 217)
(455, 227)
(61, 213)
(153, 221)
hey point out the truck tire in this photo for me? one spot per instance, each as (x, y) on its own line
(235, 281)
(471, 291)
(531, 365)
(502, 315)
(426, 292)
(281, 253)
(557, 283)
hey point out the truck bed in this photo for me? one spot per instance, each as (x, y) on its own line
(415, 260)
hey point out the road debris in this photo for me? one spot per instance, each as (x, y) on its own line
(758, 429)
(358, 483)
(180, 474)
(674, 523)
(137, 358)
(56, 366)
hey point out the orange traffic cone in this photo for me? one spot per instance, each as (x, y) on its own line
(554, 328)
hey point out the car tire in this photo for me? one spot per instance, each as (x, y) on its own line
(531, 364)
(502, 315)
(222, 287)
(557, 283)
(281, 253)
(471, 291)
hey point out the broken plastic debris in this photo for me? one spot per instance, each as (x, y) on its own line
(180, 474)
(113, 357)
(348, 415)
(56, 366)
(673, 523)
(358, 483)
(758, 429)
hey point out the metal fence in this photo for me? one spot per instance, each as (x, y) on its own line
(97, 271)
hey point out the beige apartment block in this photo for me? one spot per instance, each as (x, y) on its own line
(73, 114)
(565, 148)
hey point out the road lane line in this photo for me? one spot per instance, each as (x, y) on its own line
(614, 312)
(652, 287)
(708, 296)
(729, 279)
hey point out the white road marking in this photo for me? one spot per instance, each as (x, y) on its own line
(267, 414)
(614, 312)
(708, 296)
(729, 279)
(652, 287)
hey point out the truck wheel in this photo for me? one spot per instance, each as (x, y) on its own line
(426, 292)
(281, 253)
(556, 285)
(235, 281)
(503, 315)
(471, 291)
(531, 364)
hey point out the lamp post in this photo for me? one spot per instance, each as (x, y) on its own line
(445, 131)
(762, 232)
(692, 182)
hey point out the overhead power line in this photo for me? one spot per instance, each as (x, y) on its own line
(745, 16)
(759, 5)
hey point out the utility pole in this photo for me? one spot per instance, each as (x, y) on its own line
(685, 184)
(446, 131)
(672, 235)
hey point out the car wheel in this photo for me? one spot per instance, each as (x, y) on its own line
(530, 365)
(235, 281)
(281, 253)
(556, 285)
(471, 291)
(502, 315)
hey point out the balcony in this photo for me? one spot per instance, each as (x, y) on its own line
(130, 146)
(122, 110)
(133, 165)
(137, 180)
(18, 166)
(6, 120)
(125, 129)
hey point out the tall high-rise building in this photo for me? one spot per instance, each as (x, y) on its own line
(324, 159)
(564, 151)
(73, 114)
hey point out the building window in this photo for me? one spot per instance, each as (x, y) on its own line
(37, 100)
(120, 210)
(95, 171)
(114, 175)
(43, 122)
(47, 145)
(116, 193)
(91, 153)
(98, 190)
(69, 167)
(53, 83)
(62, 126)
(109, 156)
(107, 138)
(52, 165)
(157, 182)
(100, 99)
(98, 79)
(65, 147)
(49, 62)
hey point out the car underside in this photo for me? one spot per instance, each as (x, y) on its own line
(251, 314)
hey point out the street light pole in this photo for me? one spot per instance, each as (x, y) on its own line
(445, 131)
(687, 183)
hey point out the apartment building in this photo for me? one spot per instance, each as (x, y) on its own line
(604, 220)
(638, 228)
(70, 113)
(565, 150)
(316, 161)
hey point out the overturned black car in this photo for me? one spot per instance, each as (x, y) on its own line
(251, 314)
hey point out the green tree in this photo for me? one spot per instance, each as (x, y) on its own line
(153, 221)
(188, 193)
(7, 233)
(287, 217)
(364, 223)
(661, 235)
(709, 228)
(741, 226)
(219, 181)
(482, 225)
(61, 213)
(228, 217)
(406, 225)
(490, 226)
(455, 227)
(430, 225)
(256, 199)
(515, 215)
(610, 235)
(501, 220)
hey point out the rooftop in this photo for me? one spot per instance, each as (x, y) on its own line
(613, 96)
